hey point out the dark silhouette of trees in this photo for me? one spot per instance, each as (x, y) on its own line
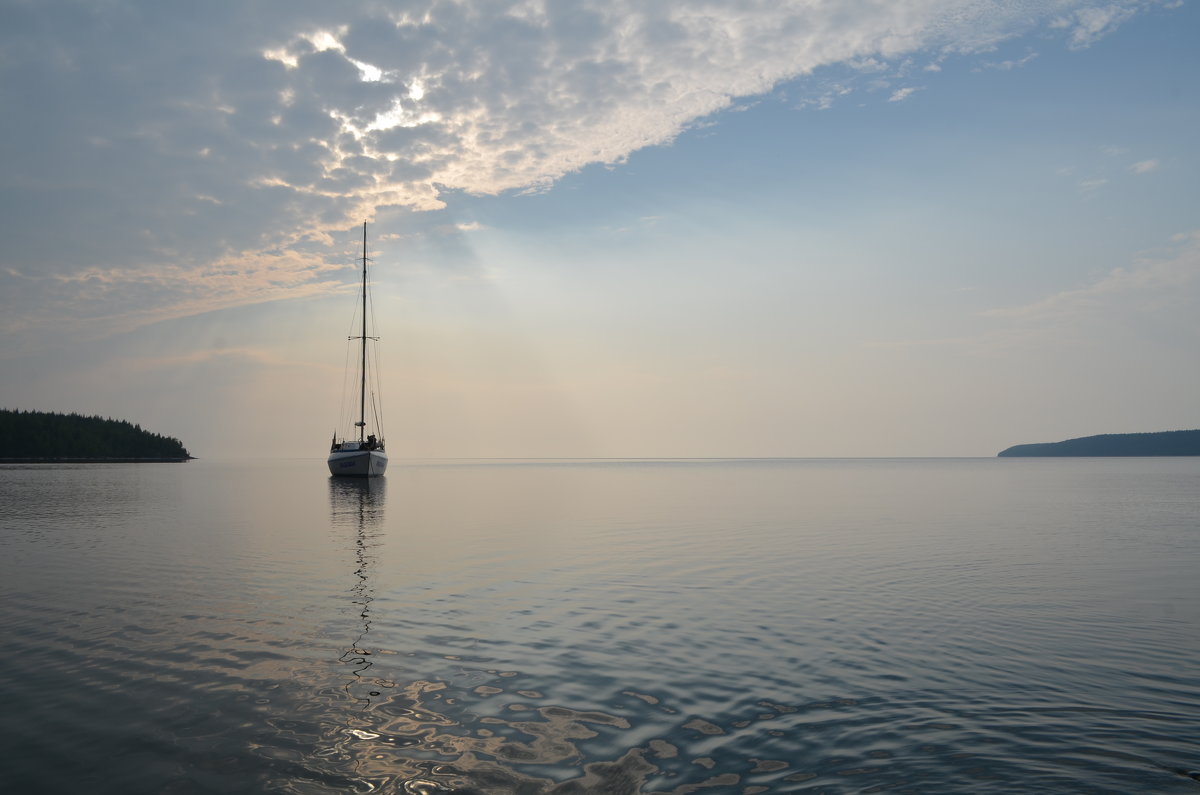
(45, 435)
(1114, 444)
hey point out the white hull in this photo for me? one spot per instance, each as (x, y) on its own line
(357, 463)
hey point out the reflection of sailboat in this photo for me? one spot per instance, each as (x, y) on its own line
(358, 505)
(365, 456)
(427, 735)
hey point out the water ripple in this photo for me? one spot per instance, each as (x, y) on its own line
(831, 627)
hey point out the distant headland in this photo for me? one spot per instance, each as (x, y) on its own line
(37, 436)
(1114, 444)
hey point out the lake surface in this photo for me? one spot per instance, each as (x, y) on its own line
(938, 625)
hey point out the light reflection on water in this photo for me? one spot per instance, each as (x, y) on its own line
(771, 626)
(357, 506)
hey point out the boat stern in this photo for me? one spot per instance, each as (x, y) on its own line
(357, 463)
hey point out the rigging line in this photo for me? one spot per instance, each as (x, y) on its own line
(377, 388)
(345, 416)
(375, 416)
(376, 373)
(376, 420)
(345, 389)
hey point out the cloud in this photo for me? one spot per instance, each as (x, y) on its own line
(868, 65)
(191, 157)
(1159, 292)
(1089, 24)
(98, 300)
(1009, 65)
(1144, 166)
(901, 94)
(824, 98)
(1152, 284)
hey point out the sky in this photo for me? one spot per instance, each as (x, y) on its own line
(811, 228)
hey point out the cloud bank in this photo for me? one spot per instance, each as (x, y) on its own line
(166, 159)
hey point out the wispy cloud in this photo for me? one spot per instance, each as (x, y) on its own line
(100, 300)
(1009, 65)
(1160, 290)
(225, 177)
(901, 94)
(825, 98)
(868, 65)
(1089, 24)
(1091, 185)
(1151, 284)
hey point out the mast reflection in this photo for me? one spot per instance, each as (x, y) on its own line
(426, 734)
(356, 510)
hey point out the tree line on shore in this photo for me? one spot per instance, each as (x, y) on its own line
(1159, 443)
(48, 435)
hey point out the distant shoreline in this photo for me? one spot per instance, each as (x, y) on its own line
(41, 437)
(1134, 445)
(95, 460)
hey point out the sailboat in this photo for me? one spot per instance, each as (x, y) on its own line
(363, 457)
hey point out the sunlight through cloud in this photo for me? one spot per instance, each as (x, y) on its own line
(310, 118)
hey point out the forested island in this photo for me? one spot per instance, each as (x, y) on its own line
(1114, 444)
(34, 436)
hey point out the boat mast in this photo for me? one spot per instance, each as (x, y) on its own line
(362, 390)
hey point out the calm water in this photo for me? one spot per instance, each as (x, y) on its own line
(976, 625)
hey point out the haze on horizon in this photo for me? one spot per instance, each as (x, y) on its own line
(689, 229)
